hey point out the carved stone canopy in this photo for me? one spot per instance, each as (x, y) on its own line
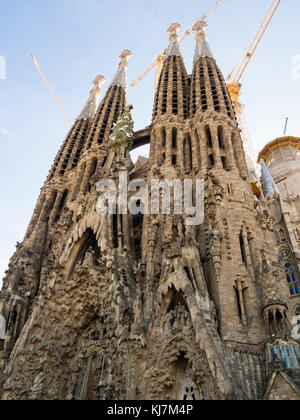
(173, 29)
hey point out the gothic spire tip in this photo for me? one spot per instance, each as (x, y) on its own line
(89, 109)
(120, 78)
(174, 47)
(202, 47)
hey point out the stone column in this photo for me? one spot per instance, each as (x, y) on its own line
(169, 146)
(55, 210)
(86, 177)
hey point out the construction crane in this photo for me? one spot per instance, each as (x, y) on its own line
(233, 82)
(234, 87)
(51, 90)
(158, 62)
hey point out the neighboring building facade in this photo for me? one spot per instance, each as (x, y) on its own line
(281, 174)
(146, 306)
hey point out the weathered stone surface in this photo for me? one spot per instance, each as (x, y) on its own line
(98, 307)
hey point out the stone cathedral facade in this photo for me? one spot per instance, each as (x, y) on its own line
(146, 307)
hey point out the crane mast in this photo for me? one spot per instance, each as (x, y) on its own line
(234, 87)
(51, 90)
(233, 82)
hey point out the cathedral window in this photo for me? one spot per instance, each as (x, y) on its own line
(188, 391)
(164, 137)
(224, 162)
(297, 353)
(175, 89)
(174, 138)
(213, 88)
(104, 161)
(293, 357)
(285, 356)
(211, 160)
(208, 136)
(221, 138)
(63, 200)
(243, 250)
(292, 280)
(186, 269)
(238, 303)
(187, 145)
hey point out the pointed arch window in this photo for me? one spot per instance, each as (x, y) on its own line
(292, 280)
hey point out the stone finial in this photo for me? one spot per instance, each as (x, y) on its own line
(202, 47)
(120, 78)
(99, 80)
(174, 47)
(89, 109)
(199, 27)
(173, 29)
(125, 55)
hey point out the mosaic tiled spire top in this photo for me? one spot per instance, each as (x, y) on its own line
(120, 78)
(202, 47)
(174, 47)
(89, 109)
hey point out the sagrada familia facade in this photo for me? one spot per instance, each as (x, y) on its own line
(144, 306)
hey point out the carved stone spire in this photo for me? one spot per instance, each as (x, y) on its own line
(89, 109)
(202, 47)
(120, 78)
(174, 47)
(171, 95)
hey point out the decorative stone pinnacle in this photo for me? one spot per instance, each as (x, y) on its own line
(89, 109)
(120, 78)
(174, 47)
(202, 47)
(200, 26)
(99, 80)
(125, 55)
(173, 29)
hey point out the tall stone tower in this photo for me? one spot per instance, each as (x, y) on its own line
(144, 304)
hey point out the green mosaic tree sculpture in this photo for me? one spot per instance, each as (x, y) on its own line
(122, 133)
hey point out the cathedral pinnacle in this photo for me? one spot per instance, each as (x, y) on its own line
(120, 78)
(202, 47)
(174, 47)
(89, 109)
